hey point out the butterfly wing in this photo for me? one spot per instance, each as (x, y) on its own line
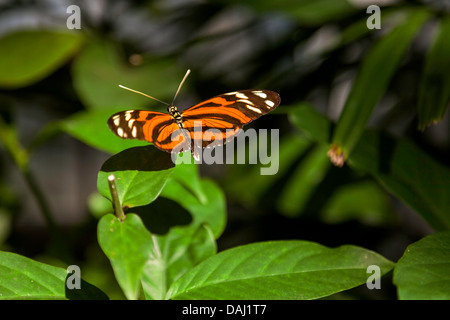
(227, 114)
(155, 127)
(219, 118)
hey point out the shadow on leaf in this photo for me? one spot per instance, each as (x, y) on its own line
(162, 214)
(147, 158)
(86, 292)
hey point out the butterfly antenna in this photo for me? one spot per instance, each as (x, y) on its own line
(146, 95)
(181, 83)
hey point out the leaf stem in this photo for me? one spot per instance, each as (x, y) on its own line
(20, 156)
(118, 210)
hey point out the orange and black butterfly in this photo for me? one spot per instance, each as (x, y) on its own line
(221, 117)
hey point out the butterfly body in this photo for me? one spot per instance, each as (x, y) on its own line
(221, 117)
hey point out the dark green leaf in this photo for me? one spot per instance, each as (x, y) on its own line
(376, 71)
(278, 270)
(303, 181)
(363, 201)
(314, 125)
(246, 182)
(400, 166)
(25, 56)
(434, 92)
(408, 172)
(423, 273)
(128, 245)
(308, 12)
(140, 173)
(98, 71)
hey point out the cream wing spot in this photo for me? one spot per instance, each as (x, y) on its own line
(128, 115)
(116, 120)
(269, 103)
(120, 132)
(134, 132)
(246, 101)
(130, 123)
(260, 94)
(253, 109)
(241, 95)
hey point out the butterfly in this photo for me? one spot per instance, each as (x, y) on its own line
(218, 120)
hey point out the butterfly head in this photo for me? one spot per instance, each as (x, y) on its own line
(172, 110)
(176, 115)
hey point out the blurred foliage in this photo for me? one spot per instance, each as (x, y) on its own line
(374, 101)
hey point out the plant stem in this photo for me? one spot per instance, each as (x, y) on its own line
(118, 210)
(21, 158)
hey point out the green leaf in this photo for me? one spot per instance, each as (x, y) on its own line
(248, 185)
(313, 125)
(303, 181)
(91, 128)
(24, 278)
(319, 12)
(376, 71)
(180, 222)
(29, 56)
(423, 273)
(212, 210)
(434, 91)
(364, 201)
(408, 172)
(278, 270)
(127, 244)
(308, 12)
(98, 71)
(140, 172)
(401, 167)
(174, 254)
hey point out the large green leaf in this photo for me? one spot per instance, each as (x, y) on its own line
(278, 270)
(424, 270)
(434, 93)
(140, 173)
(377, 69)
(98, 71)
(29, 56)
(128, 245)
(24, 278)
